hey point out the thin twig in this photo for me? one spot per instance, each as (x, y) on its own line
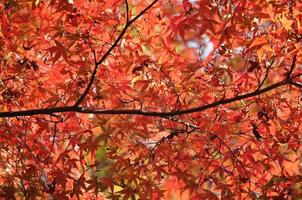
(299, 85)
(266, 75)
(127, 11)
(289, 73)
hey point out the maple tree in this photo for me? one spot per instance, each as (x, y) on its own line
(141, 99)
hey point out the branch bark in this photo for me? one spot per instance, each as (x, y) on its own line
(79, 109)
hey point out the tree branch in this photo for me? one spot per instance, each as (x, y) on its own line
(266, 75)
(291, 69)
(187, 111)
(299, 85)
(79, 109)
(127, 11)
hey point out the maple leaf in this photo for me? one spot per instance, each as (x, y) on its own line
(59, 51)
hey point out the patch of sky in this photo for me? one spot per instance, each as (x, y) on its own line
(203, 48)
(208, 47)
(238, 50)
(193, 44)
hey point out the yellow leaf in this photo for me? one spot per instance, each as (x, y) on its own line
(258, 42)
(286, 23)
(264, 52)
(237, 63)
(135, 79)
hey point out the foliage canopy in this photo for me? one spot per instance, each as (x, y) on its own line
(141, 99)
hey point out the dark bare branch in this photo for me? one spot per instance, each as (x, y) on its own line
(266, 75)
(127, 11)
(291, 69)
(79, 109)
(299, 85)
